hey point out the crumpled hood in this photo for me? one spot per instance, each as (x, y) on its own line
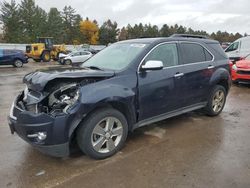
(245, 64)
(37, 80)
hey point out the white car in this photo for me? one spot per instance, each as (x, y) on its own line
(74, 57)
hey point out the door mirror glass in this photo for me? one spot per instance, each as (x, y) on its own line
(152, 65)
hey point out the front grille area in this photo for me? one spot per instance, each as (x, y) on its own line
(243, 72)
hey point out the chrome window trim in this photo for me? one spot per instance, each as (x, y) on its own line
(181, 65)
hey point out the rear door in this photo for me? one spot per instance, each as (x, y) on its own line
(198, 67)
(160, 90)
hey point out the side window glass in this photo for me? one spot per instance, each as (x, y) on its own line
(209, 57)
(233, 47)
(167, 53)
(1, 53)
(192, 53)
(76, 54)
(84, 53)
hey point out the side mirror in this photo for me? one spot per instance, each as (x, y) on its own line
(152, 65)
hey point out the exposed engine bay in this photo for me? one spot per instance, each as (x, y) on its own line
(62, 98)
(57, 98)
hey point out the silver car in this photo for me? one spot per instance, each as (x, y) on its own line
(74, 57)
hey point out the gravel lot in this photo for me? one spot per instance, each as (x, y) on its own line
(191, 150)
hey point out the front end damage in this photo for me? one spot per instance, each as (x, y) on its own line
(43, 119)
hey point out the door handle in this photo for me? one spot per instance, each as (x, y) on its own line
(210, 67)
(178, 75)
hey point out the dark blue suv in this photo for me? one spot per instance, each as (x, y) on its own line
(128, 85)
(12, 57)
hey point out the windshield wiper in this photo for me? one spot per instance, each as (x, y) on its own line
(94, 67)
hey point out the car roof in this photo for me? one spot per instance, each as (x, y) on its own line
(169, 39)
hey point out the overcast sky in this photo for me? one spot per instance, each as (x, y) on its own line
(208, 15)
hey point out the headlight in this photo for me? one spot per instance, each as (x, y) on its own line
(25, 92)
(234, 67)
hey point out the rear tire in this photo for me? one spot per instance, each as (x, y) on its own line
(18, 63)
(216, 101)
(103, 133)
(46, 56)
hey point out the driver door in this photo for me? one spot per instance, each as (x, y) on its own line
(160, 90)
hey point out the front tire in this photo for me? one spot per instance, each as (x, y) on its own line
(103, 133)
(67, 62)
(46, 56)
(216, 101)
(18, 63)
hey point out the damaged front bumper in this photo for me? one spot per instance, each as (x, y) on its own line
(49, 134)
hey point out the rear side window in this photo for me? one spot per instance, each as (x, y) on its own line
(217, 48)
(194, 53)
(208, 56)
(167, 53)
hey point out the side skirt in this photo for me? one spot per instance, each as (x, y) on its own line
(169, 114)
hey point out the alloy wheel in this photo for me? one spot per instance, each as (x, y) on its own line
(106, 135)
(218, 101)
(18, 63)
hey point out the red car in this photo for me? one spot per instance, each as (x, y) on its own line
(241, 70)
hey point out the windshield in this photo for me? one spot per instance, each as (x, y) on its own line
(115, 57)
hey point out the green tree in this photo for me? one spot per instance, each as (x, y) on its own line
(108, 32)
(10, 19)
(123, 35)
(164, 31)
(151, 31)
(55, 25)
(69, 19)
(33, 21)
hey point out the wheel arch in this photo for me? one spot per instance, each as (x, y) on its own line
(121, 107)
(221, 77)
(127, 111)
(17, 58)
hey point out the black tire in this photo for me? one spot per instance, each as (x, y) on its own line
(37, 60)
(210, 109)
(18, 63)
(85, 133)
(67, 62)
(46, 56)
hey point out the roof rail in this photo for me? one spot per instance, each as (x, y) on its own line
(190, 36)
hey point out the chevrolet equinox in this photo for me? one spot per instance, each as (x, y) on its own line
(128, 85)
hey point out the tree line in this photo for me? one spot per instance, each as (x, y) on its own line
(24, 22)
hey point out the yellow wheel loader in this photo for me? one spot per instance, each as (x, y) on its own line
(44, 50)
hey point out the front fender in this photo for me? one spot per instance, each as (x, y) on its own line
(94, 96)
